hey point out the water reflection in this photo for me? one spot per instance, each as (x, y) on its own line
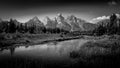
(12, 50)
(49, 54)
(53, 50)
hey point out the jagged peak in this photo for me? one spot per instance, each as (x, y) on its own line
(71, 17)
(59, 14)
(47, 18)
(55, 19)
(60, 18)
(35, 18)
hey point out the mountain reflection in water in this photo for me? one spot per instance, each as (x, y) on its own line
(48, 53)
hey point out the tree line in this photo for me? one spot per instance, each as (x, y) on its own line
(110, 27)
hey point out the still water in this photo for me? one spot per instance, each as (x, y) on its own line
(53, 52)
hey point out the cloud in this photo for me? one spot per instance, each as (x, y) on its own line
(94, 20)
(112, 3)
(101, 18)
(118, 15)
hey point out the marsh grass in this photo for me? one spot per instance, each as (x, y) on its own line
(104, 53)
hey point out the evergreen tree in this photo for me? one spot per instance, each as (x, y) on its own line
(113, 24)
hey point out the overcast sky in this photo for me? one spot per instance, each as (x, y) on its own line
(23, 10)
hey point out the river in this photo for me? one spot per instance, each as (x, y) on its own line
(48, 54)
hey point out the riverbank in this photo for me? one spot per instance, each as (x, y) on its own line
(34, 39)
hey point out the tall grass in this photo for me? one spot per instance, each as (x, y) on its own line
(100, 53)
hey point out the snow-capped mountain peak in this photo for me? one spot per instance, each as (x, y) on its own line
(35, 19)
(60, 18)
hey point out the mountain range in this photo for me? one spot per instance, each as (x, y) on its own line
(71, 23)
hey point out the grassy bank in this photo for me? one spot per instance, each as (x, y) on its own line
(100, 53)
(19, 38)
(32, 39)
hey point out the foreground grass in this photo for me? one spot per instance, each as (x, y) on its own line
(100, 53)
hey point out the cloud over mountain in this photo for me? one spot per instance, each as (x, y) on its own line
(94, 20)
